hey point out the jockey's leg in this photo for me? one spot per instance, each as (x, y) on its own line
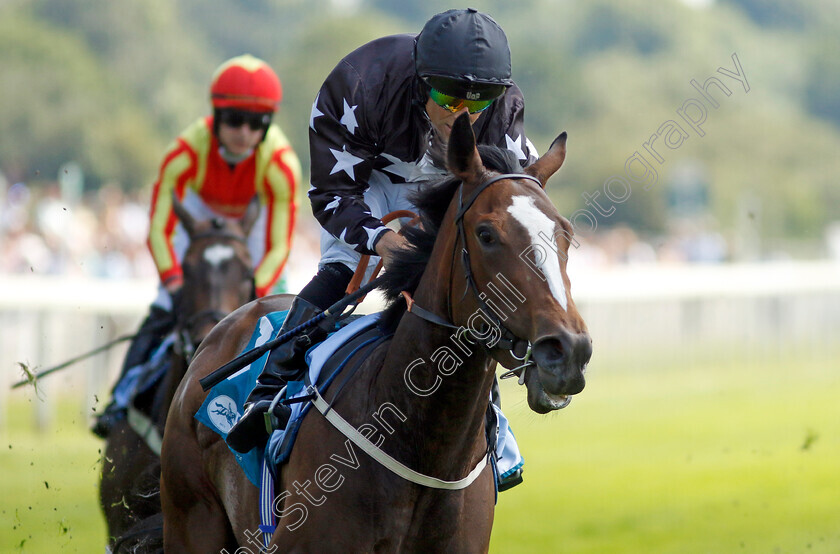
(285, 363)
(149, 336)
(508, 459)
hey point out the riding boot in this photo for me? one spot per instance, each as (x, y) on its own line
(285, 363)
(514, 477)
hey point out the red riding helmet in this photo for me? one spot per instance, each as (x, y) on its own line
(246, 83)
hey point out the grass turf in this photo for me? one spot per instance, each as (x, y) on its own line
(733, 458)
(720, 458)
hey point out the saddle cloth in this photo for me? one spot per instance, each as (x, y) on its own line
(224, 403)
(143, 378)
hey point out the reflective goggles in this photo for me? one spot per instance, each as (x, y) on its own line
(236, 118)
(453, 104)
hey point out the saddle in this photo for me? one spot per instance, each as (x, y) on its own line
(326, 360)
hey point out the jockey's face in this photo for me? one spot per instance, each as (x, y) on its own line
(241, 139)
(442, 119)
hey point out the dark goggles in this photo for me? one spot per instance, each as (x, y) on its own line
(236, 118)
(453, 104)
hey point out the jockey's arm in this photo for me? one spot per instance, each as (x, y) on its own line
(342, 157)
(278, 196)
(174, 174)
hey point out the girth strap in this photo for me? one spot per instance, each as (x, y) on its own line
(377, 454)
(145, 428)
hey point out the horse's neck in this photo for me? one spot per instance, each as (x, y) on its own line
(421, 355)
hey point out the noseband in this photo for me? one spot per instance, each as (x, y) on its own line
(508, 341)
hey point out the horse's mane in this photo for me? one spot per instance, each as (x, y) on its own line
(431, 201)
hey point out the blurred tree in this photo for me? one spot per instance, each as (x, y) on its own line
(414, 12)
(610, 24)
(308, 59)
(150, 47)
(108, 84)
(259, 27)
(793, 14)
(822, 82)
(59, 105)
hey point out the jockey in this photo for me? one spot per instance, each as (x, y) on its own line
(370, 130)
(215, 167)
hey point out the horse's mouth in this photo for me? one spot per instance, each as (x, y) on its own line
(539, 399)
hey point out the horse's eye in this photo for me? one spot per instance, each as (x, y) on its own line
(485, 236)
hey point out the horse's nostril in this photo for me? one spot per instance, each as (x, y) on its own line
(549, 351)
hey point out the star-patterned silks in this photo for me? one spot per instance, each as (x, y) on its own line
(532, 150)
(359, 142)
(348, 119)
(398, 167)
(334, 204)
(515, 146)
(345, 161)
(372, 233)
(315, 112)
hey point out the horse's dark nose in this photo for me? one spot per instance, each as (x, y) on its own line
(561, 360)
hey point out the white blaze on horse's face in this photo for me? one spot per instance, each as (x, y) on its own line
(218, 253)
(539, 227)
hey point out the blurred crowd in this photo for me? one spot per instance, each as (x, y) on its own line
(100, 234)
(103, 234)
(621, 245)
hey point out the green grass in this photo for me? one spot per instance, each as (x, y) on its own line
(716, 459)
(49, 482)
(711, 459)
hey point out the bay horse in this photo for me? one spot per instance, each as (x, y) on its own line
(418, 397)
(218, 278)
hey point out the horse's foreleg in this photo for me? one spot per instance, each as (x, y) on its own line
(199, 528)
(193, 517)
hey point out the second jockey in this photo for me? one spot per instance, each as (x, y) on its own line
(215, 167)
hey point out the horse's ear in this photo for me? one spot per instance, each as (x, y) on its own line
(549, 162)
(462, 156)
(183, 215)
(251, 215)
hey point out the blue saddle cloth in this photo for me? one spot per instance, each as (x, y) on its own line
(224, 403)
(144, 377)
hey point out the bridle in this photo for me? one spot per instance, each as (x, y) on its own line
(508, 340)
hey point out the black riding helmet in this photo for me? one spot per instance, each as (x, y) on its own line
(463, 53)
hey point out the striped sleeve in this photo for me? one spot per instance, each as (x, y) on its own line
(280, 185)
(178, 168)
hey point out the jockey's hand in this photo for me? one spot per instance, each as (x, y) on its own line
(173, 285)
(175, 290)
(389, 243)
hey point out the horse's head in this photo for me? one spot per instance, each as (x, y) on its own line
(218, 274)
(514, 259)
